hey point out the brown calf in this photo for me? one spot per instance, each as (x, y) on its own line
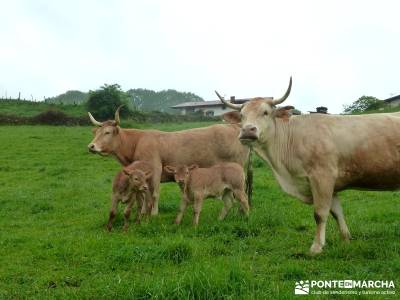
(224, 180)
(132, 184)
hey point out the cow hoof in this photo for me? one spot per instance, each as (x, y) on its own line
(315, 249)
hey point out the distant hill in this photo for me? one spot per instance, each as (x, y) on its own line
(141, 99)
(149, 100)
(69, 98)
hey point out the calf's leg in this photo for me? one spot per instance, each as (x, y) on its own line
(337, 213)
(227, 198)
(240, 195)
(141, 206)
(113, 211)
(182, 208)
(127, 214)
(197, 206)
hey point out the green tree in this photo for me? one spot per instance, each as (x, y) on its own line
(103, 102)
(364, 103)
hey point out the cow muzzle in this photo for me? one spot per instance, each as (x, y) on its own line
(93, 149)
(248, 134)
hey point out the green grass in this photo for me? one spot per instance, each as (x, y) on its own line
(30, 109)
(54, 203)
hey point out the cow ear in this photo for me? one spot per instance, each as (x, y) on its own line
(169, 169)
(283, 112)
(193, 167)
(232, 117)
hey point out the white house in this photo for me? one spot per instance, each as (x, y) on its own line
(208, 108)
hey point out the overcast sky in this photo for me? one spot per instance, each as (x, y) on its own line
(336, 51)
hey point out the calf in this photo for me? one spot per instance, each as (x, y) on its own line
(132, 184)
(224, 180)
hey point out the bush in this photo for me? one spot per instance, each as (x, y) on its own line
(103, 102)
(364, 103)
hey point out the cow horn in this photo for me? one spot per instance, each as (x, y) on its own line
(117, 119)
(280, 100)
(229, 104)
(96, 123)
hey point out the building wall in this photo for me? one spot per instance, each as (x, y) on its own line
(394, 103)
(218, 110)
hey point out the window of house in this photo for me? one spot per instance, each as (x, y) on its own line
(209, 113)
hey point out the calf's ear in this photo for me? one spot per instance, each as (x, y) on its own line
(127, 171)
(232, 117)
(169, 169)
(193, 167)
(148, 174)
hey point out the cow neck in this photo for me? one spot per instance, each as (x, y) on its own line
(276, 146)
(126, 146)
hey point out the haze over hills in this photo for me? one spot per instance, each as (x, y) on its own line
(141, 99)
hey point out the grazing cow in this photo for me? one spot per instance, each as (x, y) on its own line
(202, 146)
(224, 180)
(315, 156)
(132, 184)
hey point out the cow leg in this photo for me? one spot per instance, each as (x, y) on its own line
(127, 214)
(227, 198)
(322, 191)
(113, 211)
(337, 213)
(182, 208)
(156, 191)
(197, 206)
(240, 195)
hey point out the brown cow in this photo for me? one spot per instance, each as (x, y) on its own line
(202, 146)
(224, 180)
(132, 184)
(315, 156)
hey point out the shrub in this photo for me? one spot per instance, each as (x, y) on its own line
(103, 102)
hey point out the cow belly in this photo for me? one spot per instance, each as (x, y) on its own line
(376, 181)
(382, 174)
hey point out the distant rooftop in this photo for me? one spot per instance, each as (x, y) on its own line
(212, 103)
(392, 98)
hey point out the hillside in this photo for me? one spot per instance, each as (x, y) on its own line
(149, 100)
(70, 97)
(142, 99)
(29, 108)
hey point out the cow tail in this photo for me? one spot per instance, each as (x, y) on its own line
(249, 177)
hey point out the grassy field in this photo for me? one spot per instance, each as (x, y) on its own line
(54, 203)
(30, 108)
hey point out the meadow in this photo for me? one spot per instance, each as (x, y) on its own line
(54, 204)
